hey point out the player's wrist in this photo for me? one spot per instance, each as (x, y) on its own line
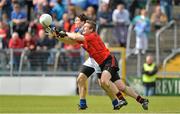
(70, 35)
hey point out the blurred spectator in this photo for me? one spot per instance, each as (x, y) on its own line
(73, 56)
(29, 4)
(34, 25)
(158, 19)
(113, 3)
(6, 20)
(58, 10)
(166, 7)
(79, 3)
(104, 19)
(19, 19)
(5, 7)
(91, 13)
(38, 11)
(52, 3)
(43, 2)
(142, 29)
(41, 51)
(94, 3)
(3, 36)
(65, 23)
(45, 5)
(29, 46)
(28, 41)
(52, 50)
(6, 26)
(16, 43)
(104, 16)
(72, 13)
(64, 2)
(121, 21)
(34, 28)
(136, 4)
(21, 2)
(149, 72)
(176, 2)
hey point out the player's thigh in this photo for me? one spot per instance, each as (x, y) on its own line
(105, 77)
(111, 65)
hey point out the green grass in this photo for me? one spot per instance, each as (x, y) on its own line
(96, 104)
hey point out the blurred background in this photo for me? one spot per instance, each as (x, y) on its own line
(32, 63)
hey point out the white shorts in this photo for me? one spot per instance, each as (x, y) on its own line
(90, 62)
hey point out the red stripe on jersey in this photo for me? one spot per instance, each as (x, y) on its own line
(113, 61)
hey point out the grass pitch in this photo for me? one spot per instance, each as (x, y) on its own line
(96, 104)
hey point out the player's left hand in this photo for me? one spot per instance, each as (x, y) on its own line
(62, 34)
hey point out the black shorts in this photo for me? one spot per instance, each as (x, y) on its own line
(88, 71)
(111, 65)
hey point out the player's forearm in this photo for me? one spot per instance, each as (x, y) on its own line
(75, 36)
(67, 40)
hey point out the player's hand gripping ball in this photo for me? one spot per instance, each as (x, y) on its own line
(45, 20)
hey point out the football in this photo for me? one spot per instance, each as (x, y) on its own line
(45, 20)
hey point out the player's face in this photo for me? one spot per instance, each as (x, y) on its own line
(87, 28)
(78, 22)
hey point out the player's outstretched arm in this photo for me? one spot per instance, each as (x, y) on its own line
(75, 36)
(67, 40)
(62, 37)
(46, 20)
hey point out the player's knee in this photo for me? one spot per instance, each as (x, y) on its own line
(104, 83)
(81, 79)
(105, 79)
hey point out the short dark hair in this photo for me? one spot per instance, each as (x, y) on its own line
(92, 23)
(82, 17)
(16, 2)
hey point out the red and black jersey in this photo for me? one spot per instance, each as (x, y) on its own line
(95, 47)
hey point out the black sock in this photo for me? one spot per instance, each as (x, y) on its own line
(120, 96)
(140, 99)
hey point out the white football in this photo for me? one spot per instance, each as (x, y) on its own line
(45, 19)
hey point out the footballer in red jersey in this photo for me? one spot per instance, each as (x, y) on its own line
(107, 62)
